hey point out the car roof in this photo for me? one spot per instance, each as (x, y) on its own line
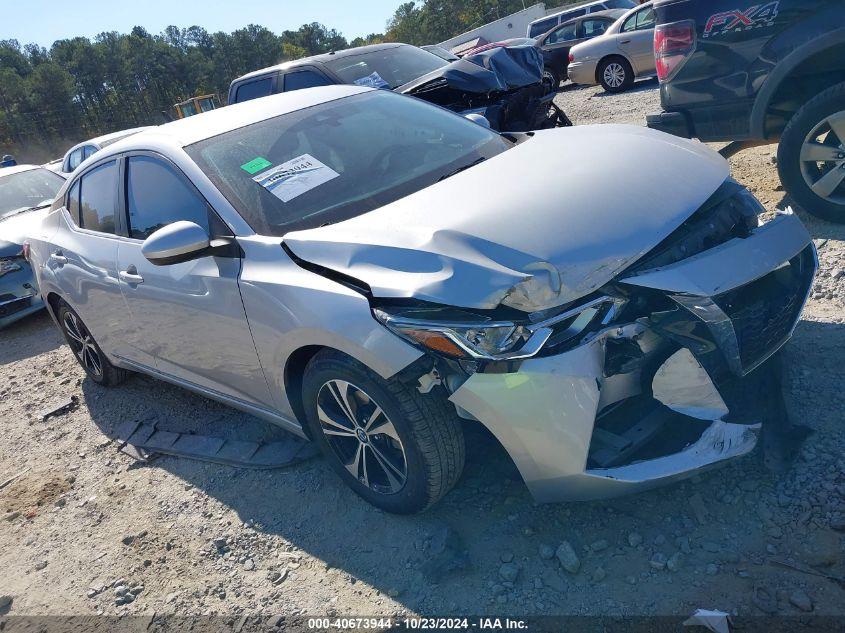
(317, 59)
(206, 125)
(567, 9)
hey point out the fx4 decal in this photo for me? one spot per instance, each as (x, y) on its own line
(738, 20)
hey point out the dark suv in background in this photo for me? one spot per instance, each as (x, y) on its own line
(757, 72)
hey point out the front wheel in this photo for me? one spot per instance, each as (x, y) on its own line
(811, 156)
(616, 75)
(551, 80)
(397, 448)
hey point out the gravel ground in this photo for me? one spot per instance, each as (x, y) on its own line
(86, 529)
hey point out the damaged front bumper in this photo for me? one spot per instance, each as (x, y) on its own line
(580, 425)
(18, 296)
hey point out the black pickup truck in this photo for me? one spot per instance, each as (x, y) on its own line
(759, 71)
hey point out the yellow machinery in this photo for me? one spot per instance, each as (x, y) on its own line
(195, 105)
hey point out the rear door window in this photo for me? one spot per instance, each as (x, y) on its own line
(254, 90)
(645, 19)
(156, 195)
(538, 28)
(566, 33)
(305, 79)
(594, 27)
(97, 197)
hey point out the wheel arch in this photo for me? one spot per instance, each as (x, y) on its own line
(800, 63)
(293, 373)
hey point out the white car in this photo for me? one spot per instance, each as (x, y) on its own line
(75, 155)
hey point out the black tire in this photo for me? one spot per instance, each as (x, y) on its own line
(551, 79)
(108, 375)
(430, 433)
(627, 74)
(794, 172)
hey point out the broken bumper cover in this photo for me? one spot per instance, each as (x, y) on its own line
(545, 414)
(18, 297)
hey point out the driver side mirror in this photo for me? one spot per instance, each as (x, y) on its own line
(478, 118)
(176, 243)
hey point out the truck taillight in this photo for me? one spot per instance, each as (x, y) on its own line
(673, 44)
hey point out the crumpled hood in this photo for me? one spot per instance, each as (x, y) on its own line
(18, 228)
(568, 210)
(495, 70)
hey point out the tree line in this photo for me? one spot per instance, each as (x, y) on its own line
(80, 87)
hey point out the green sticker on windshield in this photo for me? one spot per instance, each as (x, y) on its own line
(256, 165)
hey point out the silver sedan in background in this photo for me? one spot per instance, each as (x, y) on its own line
(623, 54)
(373, 272)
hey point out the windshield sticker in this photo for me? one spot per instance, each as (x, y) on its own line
(372, 81)
(256, 165)
(295, 177)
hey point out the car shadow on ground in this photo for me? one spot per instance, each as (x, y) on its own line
(17, 342)
(448, 558)
(642, 85)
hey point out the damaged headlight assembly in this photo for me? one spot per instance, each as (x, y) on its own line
(464, 335)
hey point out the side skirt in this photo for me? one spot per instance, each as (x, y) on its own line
(242, 405)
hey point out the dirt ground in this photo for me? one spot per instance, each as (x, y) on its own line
(88, 530)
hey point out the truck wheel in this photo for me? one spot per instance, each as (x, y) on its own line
(811, 156)
(615, 74)
(86, 350)
(399, 449)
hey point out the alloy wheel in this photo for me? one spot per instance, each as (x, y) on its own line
(82, 344)
(614, 75)
(823, 159)
(362, 436)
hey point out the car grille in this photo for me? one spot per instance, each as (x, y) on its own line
(765, 312)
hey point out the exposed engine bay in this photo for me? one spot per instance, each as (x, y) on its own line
(505, 85)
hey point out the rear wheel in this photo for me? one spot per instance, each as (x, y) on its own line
(86, 350)
(811, 156)
(397, 448)
(615, 74)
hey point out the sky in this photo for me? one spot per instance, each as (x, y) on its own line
(45, 21)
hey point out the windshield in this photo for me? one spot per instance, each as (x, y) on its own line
(28, 189)
(386, 68)
(340, 159)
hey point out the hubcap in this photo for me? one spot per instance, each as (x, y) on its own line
(823, 159)
(362, 436)
(614, 75)
(82, 344)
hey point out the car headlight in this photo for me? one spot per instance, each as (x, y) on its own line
(459, 334)
(8, 266)
(464, 335)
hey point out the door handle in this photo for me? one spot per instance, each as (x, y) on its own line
(59, 258)
(131, 276)
(625, 42)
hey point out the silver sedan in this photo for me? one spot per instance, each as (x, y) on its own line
(374, 272)
(623, 54)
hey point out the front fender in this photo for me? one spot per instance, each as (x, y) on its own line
(289, 308)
